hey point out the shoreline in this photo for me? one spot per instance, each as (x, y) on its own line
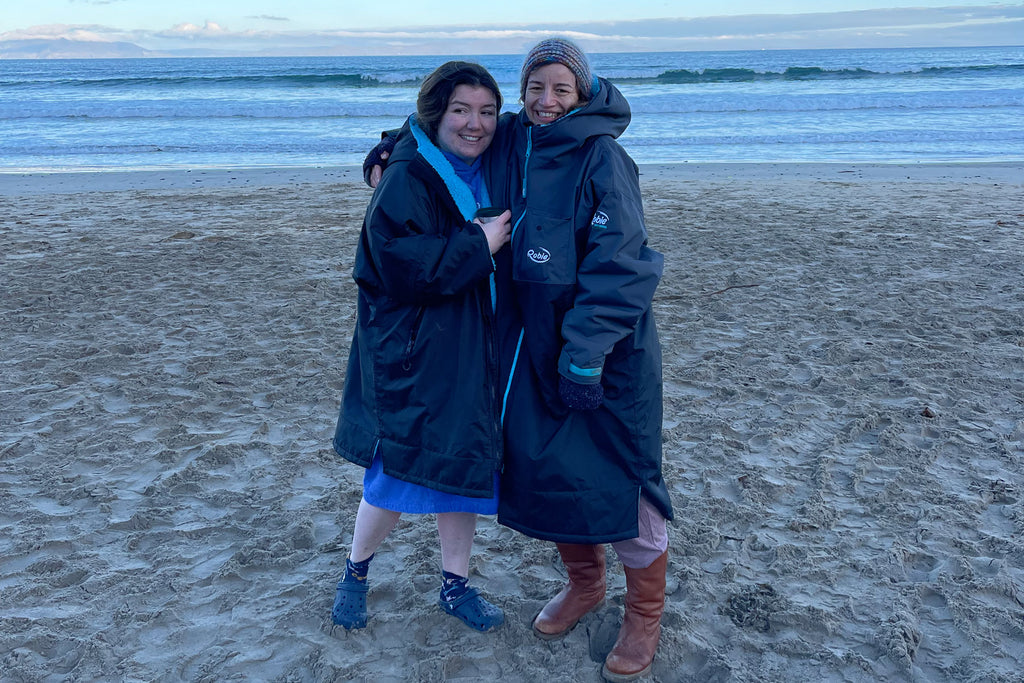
(18, 183)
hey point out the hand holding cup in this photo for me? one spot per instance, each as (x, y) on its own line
(496, 224)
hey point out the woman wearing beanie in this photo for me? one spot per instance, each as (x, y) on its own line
(582, 410)
(420, 404)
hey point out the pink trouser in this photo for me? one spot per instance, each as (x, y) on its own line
(640, 552)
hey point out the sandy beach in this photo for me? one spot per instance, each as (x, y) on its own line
(843, 435)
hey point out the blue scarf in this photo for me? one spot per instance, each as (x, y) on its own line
(467, 197)
(471, 174)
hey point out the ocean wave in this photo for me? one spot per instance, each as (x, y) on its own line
(200, 110)
(880, 103)
(412, 79)
(654, 106)
(805, 105)
(937, 136)
(341, 80)
(808, 73)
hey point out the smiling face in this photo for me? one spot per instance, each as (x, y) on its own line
(551, 93)
(468, 124)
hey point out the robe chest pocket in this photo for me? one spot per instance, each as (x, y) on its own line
(544, 250)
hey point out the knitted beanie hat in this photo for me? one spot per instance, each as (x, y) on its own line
(559, 51)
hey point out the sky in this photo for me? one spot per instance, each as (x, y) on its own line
(486, 27)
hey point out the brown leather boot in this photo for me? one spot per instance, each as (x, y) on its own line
(585, 591)
(634, 649)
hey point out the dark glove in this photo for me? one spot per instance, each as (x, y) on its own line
(386, 145)
(578, 396)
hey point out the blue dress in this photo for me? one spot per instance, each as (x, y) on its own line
(384, 491)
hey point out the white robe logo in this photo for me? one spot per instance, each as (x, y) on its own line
(539, 255)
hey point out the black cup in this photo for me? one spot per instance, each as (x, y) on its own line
(488, 212)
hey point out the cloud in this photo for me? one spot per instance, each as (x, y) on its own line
(190, 31)
(268, 17)
(912, 27)
(85, 33)
(907, 27)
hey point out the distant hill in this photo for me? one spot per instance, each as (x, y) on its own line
(62, 48)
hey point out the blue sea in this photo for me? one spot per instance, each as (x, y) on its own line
(873, 105)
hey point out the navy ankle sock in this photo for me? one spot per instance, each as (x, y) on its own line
(453, 586)
(357, 571)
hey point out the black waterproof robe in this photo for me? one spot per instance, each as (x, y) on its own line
(421, 390)
(582, 279)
